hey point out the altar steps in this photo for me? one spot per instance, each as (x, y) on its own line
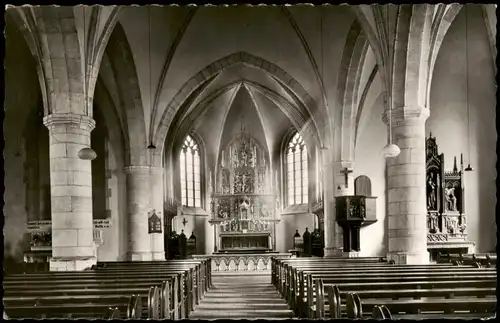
(243, 296)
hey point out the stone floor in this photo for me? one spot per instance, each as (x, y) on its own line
(242, 295)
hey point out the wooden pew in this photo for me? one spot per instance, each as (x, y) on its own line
(282, 269)
(279, 266)
(88, 281)
(395, 290)
(479, 260)
(292, 285)
(204, 275)
(200, 279)
(51, 295)
(479, 307)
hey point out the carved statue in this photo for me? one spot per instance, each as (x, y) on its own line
(431, 194)
(451, 224)
(451, 200)
(248, 184)
(243, 183)
(243, 158)
(433, 224)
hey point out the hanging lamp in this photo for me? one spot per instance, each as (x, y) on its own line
(468, 168)
(323, 147)
(86, 153)
(390, 150)
(150, 146)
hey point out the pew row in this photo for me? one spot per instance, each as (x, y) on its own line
(156, 290)
(479, 260)
(388, 281)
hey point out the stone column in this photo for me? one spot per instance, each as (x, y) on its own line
(407, 218)
(138, 206)
(331, 249)
(71, 192)
(157, 240)
(341, 189)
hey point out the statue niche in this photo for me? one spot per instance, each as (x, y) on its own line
(446, 218)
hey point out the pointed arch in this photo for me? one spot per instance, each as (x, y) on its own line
(306, 101)
(68, 78)
(123, 69)
(352, 64)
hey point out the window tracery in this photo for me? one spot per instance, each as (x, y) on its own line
(190, 173)
(297, 171)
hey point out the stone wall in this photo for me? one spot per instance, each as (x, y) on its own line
(372, 137)
(448, 120)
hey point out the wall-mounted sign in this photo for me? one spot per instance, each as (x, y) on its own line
(38, 226)
(99, 224)
(154, 223)
(42, 226)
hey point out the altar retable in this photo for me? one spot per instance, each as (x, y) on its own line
(244, 207)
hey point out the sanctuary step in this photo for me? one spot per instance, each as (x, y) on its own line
(242, 296)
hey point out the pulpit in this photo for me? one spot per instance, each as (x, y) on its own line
(352, 213)
(446, 218)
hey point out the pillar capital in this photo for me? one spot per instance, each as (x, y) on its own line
(137, 169)
(406, 113)
(56, 120)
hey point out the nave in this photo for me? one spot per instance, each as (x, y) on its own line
(459, 286)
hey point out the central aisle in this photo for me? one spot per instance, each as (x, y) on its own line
(242, 295)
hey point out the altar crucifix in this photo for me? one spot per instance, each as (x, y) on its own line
(346, 172)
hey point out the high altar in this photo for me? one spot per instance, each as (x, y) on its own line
(243, 200)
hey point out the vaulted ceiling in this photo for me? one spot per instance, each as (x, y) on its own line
(195, 58)
(171, 69)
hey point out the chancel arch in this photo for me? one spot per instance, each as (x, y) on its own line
(206, 74)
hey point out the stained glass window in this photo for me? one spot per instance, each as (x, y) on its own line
(190, 173)
(297, 177)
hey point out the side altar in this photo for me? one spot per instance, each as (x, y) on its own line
(243, 199)
(446, 217)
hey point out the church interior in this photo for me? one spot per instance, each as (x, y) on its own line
(328, 161)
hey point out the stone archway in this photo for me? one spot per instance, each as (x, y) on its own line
(196, 84)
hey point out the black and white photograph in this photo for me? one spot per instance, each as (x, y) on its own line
(250, 161)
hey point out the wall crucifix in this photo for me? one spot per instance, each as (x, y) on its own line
(184, 221)
(346, 172)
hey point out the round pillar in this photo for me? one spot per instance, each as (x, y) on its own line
(71, 192)
(138, 206)
(407, 219)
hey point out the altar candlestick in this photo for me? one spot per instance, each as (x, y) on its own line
(222, 159)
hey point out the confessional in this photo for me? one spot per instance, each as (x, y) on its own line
(446, 218)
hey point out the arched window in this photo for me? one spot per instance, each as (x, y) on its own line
(296, 167)
(190, 173)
